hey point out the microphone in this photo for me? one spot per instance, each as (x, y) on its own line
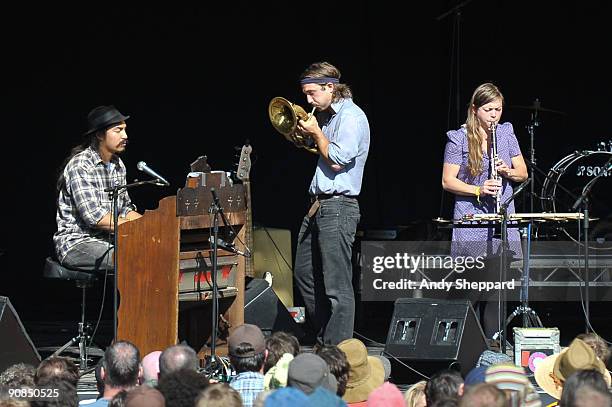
(230, 247)
(142, 166)
(516, 192)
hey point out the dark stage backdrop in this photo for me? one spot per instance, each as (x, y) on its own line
(197, 81)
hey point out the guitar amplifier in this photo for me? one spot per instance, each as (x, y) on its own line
(534, 344)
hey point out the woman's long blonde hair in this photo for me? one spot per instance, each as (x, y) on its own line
(485, 93)
(411, 396)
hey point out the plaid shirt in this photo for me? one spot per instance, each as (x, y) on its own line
(82, 201)
(249, 385)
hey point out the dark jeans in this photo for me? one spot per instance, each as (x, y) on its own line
(323, 269)
(93, 256)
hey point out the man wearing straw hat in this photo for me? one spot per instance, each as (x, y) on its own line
(551, 372)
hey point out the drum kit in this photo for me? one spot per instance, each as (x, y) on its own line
(569, 198)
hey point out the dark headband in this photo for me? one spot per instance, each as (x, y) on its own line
(321, 80)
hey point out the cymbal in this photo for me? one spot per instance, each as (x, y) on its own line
(536, 106)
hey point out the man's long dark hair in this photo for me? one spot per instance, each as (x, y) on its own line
(91, 140)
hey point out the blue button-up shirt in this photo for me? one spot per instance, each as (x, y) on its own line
(348, 132)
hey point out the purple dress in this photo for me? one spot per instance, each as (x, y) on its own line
(456, 152)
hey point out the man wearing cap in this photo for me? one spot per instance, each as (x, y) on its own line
(84, 216)
(323, 268)
(247, 353)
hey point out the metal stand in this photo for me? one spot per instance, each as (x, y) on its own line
(583, 201)
(531, 129)
(83, 335)
(215, 209)
(456, 56)
(505, 246)
(530, 317)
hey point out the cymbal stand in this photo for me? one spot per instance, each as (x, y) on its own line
(583, 202)
(531, 129)
(530, 317)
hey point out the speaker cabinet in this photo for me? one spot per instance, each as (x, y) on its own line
(273, 254)
(263, 308)
(15, 344)
(439, 333)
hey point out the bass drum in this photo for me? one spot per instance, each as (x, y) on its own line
(565, 183)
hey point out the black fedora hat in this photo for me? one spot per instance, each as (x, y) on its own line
(102, 117)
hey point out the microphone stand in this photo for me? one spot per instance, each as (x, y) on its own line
(215, 209)
(583, 201)
(114, 195)
(503, 309)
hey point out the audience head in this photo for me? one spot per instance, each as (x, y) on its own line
(182, 388)
(483, 395)
(247, 348)
(578, 380)
(446, 384)
(338, 365)
(99, 378)
(387, 395)
(415, 395)
(552, 372)
(598, 344)
(145, 396)
(292, 397)
(56, 367)
(277, 376)
(219, 395)
(475, 376)
(5, 401)
(322, 397)
(386, 366)
(513, 381)
(121, 365)
(18, 375)
(490, 358)
(308, 371)
(366, 373)
(278, 344)
(66, 395)
(177, 357)
(590, 397)
(150, 367)
(445, 402)
(286, 397)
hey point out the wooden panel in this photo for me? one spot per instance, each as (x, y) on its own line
(206, 221)
(235, 314)
(148, 261)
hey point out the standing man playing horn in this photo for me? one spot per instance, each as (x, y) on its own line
(323, 269)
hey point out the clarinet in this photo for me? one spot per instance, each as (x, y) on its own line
(494, 158)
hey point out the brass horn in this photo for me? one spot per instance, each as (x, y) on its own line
(284, 116)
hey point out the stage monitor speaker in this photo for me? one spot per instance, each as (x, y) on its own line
(272, 253)
(15, 344)
(263, 308)
(439, 333)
